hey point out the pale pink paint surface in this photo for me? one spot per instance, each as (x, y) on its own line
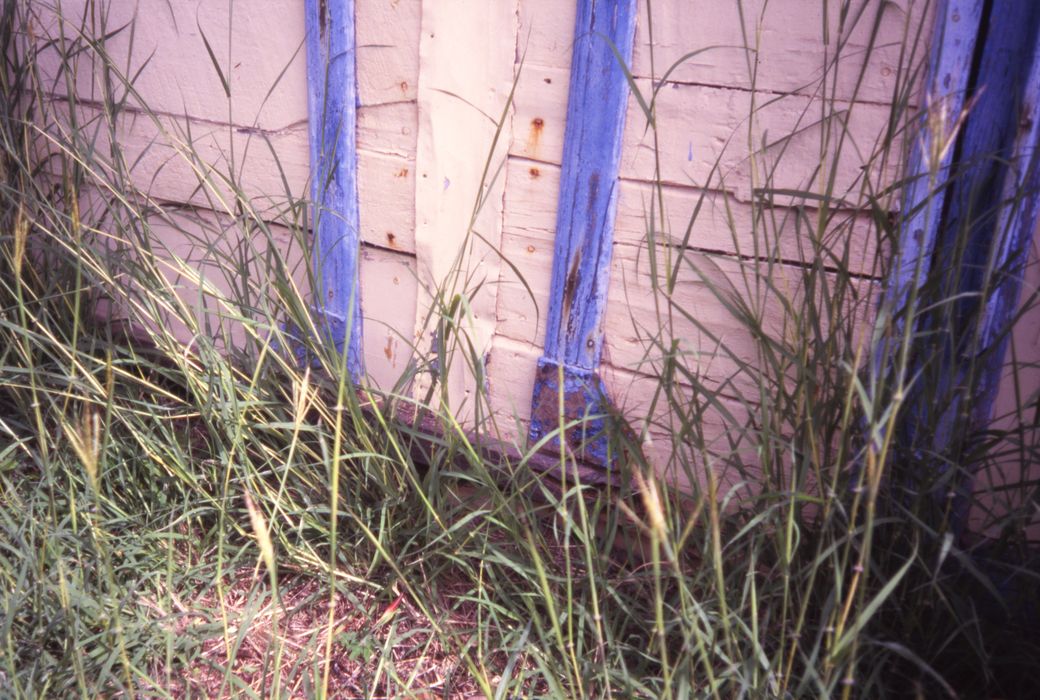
(434, 80)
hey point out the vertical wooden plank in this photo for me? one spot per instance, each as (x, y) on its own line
(949, 81)
(1000, 197)
(957, 24)
(467, 52)
(584, 229)
(993, 209)
(1015, 236)
(332, 105)
(970, 233)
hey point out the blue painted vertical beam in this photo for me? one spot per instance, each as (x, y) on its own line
(332, 105)
(585, 229)
(995, 203)
(1015, 231)
(966, 235)
(957, 24)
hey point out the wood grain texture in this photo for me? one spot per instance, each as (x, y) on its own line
(1016, 229)
(388, 50)
(179, 160)
(786, 35)
(389, 288)
(722, 222)
(467, 54)
(567, 387)
(258, 47)
(1004, 126)
(984, 233)
(197, 146)
(967, 236)
(254, 140)
(705, 138)
(433, 77)
(588, 181)
(716, 343)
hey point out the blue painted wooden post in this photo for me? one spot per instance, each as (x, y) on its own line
(332, 103)
(957, 24)
(585, 230)
(972, 239)
(1015, 230)
(1000, 197)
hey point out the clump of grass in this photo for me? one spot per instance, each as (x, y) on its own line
(211, 518)
(834, 563)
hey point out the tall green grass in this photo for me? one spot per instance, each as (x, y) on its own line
(210, 519)
(872, 587)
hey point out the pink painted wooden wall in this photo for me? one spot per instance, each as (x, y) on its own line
(434, 79)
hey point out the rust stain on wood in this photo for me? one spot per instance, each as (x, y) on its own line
(546, 405)
(535, 137)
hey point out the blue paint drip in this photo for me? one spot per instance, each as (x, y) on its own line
(332, 102)
(587, 205)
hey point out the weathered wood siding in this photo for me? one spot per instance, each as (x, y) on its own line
(434, 81)
(706, 150)
(255, 133)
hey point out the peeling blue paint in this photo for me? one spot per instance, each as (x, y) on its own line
(1000, 194)
(971, 239)
(583, 410)
(332, 102)
(957, 25)
(585, 227)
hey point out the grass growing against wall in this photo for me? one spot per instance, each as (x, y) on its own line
(215, 521)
